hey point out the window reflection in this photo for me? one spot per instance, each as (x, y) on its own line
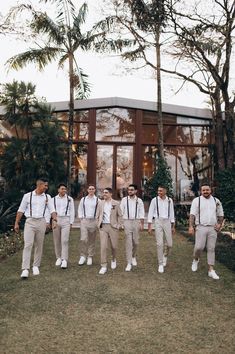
(193, 135)
(124, 174)
(115, 124)
(8, 131)
(79, 167)
(104, 166)
(80, 130)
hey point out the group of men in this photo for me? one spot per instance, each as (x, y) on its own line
(109, 216)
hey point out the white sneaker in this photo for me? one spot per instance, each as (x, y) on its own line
(114, 264)
(58, 262)
(82, 260)
(195, 265)
(128, 267)
(89, 261)
(134, 262)
(103, 270)
(36, 270)
(212, 274)
(161, 268)
(64, 264)
(25, 274)
(164, 261)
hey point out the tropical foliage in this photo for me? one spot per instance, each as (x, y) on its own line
(38, 148)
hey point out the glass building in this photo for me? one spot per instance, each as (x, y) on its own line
(115, 143)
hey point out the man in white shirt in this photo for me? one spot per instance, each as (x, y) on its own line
(109, 217)
(206, 220)
(162, 210)
(132, 209)
(87, 214)
(64, 207)
(38, 209)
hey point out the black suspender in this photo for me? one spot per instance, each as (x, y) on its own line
(67, 206)
(169, 202)
(30, 205)
(128, 210)
(84, 208)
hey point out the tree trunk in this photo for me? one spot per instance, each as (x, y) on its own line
(219, 132)
(71, 119)
(230, 131)
(159, 94)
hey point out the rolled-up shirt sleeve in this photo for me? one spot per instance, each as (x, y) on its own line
(71, 212)
(151, 212)
(172, 212)
(24, 203)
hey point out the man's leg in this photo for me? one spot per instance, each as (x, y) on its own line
(159, 240)
(29, 233)
(103, 245)
(57, 240)
(83, 238)
(128, 241)
(39, 240)
(91, 238)
(65, 232)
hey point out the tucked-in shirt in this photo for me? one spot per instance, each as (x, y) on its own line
(87, 207)
(40, 206)
(165, 209)
(107, 212)
(210, 209)
(135, 206)
(64, 206)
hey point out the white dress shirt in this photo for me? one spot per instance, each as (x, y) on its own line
(107, 212)
(87, 207)
(210, 208)
(165, 208)
(135, 206)
(64, 206)
(37, 206)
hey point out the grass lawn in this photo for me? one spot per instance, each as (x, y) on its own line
(143, 312)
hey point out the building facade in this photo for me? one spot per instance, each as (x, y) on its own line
(115, 144)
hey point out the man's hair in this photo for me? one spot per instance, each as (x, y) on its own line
(41, 179)
(205, 184)
(61, 185)
(162, 186)
(134, 186)
(109, 190)
(91, 185)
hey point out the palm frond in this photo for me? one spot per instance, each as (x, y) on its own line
(42, 23)
(41, 57)
(81, 84)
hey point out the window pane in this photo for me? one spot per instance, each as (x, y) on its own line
(80, 131)
(115, 124)
(193, 135)
(196, 121)
(151, 118)
(104, 167)
(81, 116)
(149, 134)
(193, 165)
(124, 174)
(79, 167)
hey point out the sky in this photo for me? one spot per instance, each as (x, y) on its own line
(107, 74)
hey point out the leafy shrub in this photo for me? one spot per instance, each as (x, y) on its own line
(10, 243)
(225, 191)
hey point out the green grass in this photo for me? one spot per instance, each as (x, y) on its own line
(142, 312)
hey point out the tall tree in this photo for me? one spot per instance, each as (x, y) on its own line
(59, 40)
(138, 26)
(204, 41)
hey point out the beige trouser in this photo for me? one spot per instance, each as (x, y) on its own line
(61, 237)
(107, 232)
(163, 230)
(88, 235)
(205, 236)
(131, 228)
(34, 232)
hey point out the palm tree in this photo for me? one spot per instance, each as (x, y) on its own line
(62, 38)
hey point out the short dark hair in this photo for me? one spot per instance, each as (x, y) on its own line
(91, 185)
(109, 190)
(42, 179)
(204, 184)
(162, 186)
(133, 185)
(61, 185)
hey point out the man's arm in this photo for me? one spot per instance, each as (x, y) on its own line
(19, 215)
(191, 224)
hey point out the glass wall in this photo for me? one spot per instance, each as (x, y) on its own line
(115, 124)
